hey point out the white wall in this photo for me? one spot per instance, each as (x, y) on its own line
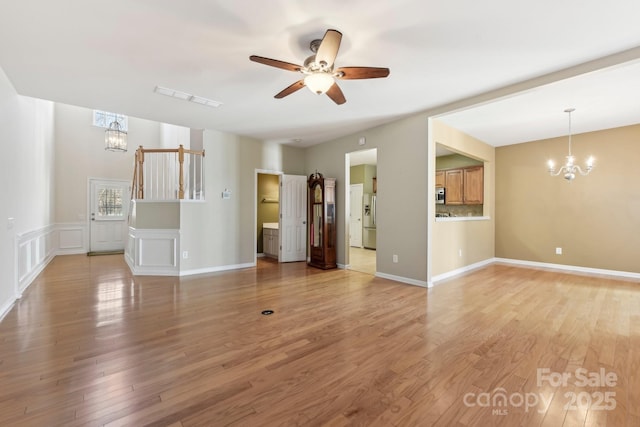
(80, 154)
(172, 136)
(28, 182)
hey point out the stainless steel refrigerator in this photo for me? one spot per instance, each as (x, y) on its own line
(369, 221)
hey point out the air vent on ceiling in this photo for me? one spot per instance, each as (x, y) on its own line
(187, 96)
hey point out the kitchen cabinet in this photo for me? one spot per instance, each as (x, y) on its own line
(463, 186)
(440, 179)
(473, 185)
(322, 221)
(453, 187)
(270, 241)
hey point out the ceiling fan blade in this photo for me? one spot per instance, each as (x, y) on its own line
(348, 73)
(275, 63)
(290, 89)
(329, 46)
(335, 93)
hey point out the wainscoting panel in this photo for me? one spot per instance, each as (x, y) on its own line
(34, 250)
(153, 252)
(72, 239)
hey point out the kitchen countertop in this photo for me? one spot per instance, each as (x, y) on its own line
(271, 225)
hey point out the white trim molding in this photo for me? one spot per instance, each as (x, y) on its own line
(34, 250)
(401, 279)
(534, 264)
(72, 238)
(460, 271)
(216, 269)
(153, 252)
(569, 268)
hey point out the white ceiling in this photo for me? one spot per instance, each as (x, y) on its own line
(112, 55)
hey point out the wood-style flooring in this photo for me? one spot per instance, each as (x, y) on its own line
(90, 344)
(362, 260)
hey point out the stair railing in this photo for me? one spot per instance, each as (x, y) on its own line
(168, 174)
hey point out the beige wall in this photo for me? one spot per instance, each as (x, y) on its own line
(155, 215)
(80, 155)
(455, 245)
(221, 232)
(595, 219)
(402, 190)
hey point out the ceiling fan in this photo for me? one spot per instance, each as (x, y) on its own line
(319, 69)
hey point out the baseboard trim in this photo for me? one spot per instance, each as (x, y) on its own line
(6, 308)
(216, 269)
(401, 279)
(461, 271)
(569, 268)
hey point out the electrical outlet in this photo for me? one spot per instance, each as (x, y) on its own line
(558, 251)
(460, 252)
(395, 258)
(185, 254)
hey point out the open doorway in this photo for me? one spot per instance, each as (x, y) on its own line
(361, 236)
(281, 216)
(267, 215)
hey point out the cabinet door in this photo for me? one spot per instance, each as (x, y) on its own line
(474, 186)
(453, 187)
(440, 180)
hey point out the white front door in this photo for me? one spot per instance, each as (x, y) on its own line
(293, 218)
(355, 215)
(109, 207)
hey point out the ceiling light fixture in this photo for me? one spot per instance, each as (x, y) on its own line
(319, 82)
(569, 169)
(115, 139)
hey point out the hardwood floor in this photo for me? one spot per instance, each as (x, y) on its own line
(362, 260)
(89, 344)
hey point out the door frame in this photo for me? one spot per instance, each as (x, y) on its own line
(255, 208)
(347, 203)
(88, 207)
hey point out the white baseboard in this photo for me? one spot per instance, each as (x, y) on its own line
(460, 271)
(401, 279)
(216, 269)
(5, 309)
(568, 268)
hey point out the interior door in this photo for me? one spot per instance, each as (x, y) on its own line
(293, 218)
(109, 205)
(355, 215)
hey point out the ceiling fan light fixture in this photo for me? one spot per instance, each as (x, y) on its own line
(319, 82)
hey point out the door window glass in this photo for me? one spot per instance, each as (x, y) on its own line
(110, 202)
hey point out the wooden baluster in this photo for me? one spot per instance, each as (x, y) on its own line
(181, 161)
(140, 157)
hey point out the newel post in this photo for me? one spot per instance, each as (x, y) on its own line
(140, 160)
(181, 176)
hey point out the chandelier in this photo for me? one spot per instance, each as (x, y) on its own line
(569, 169)
(115, 139)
